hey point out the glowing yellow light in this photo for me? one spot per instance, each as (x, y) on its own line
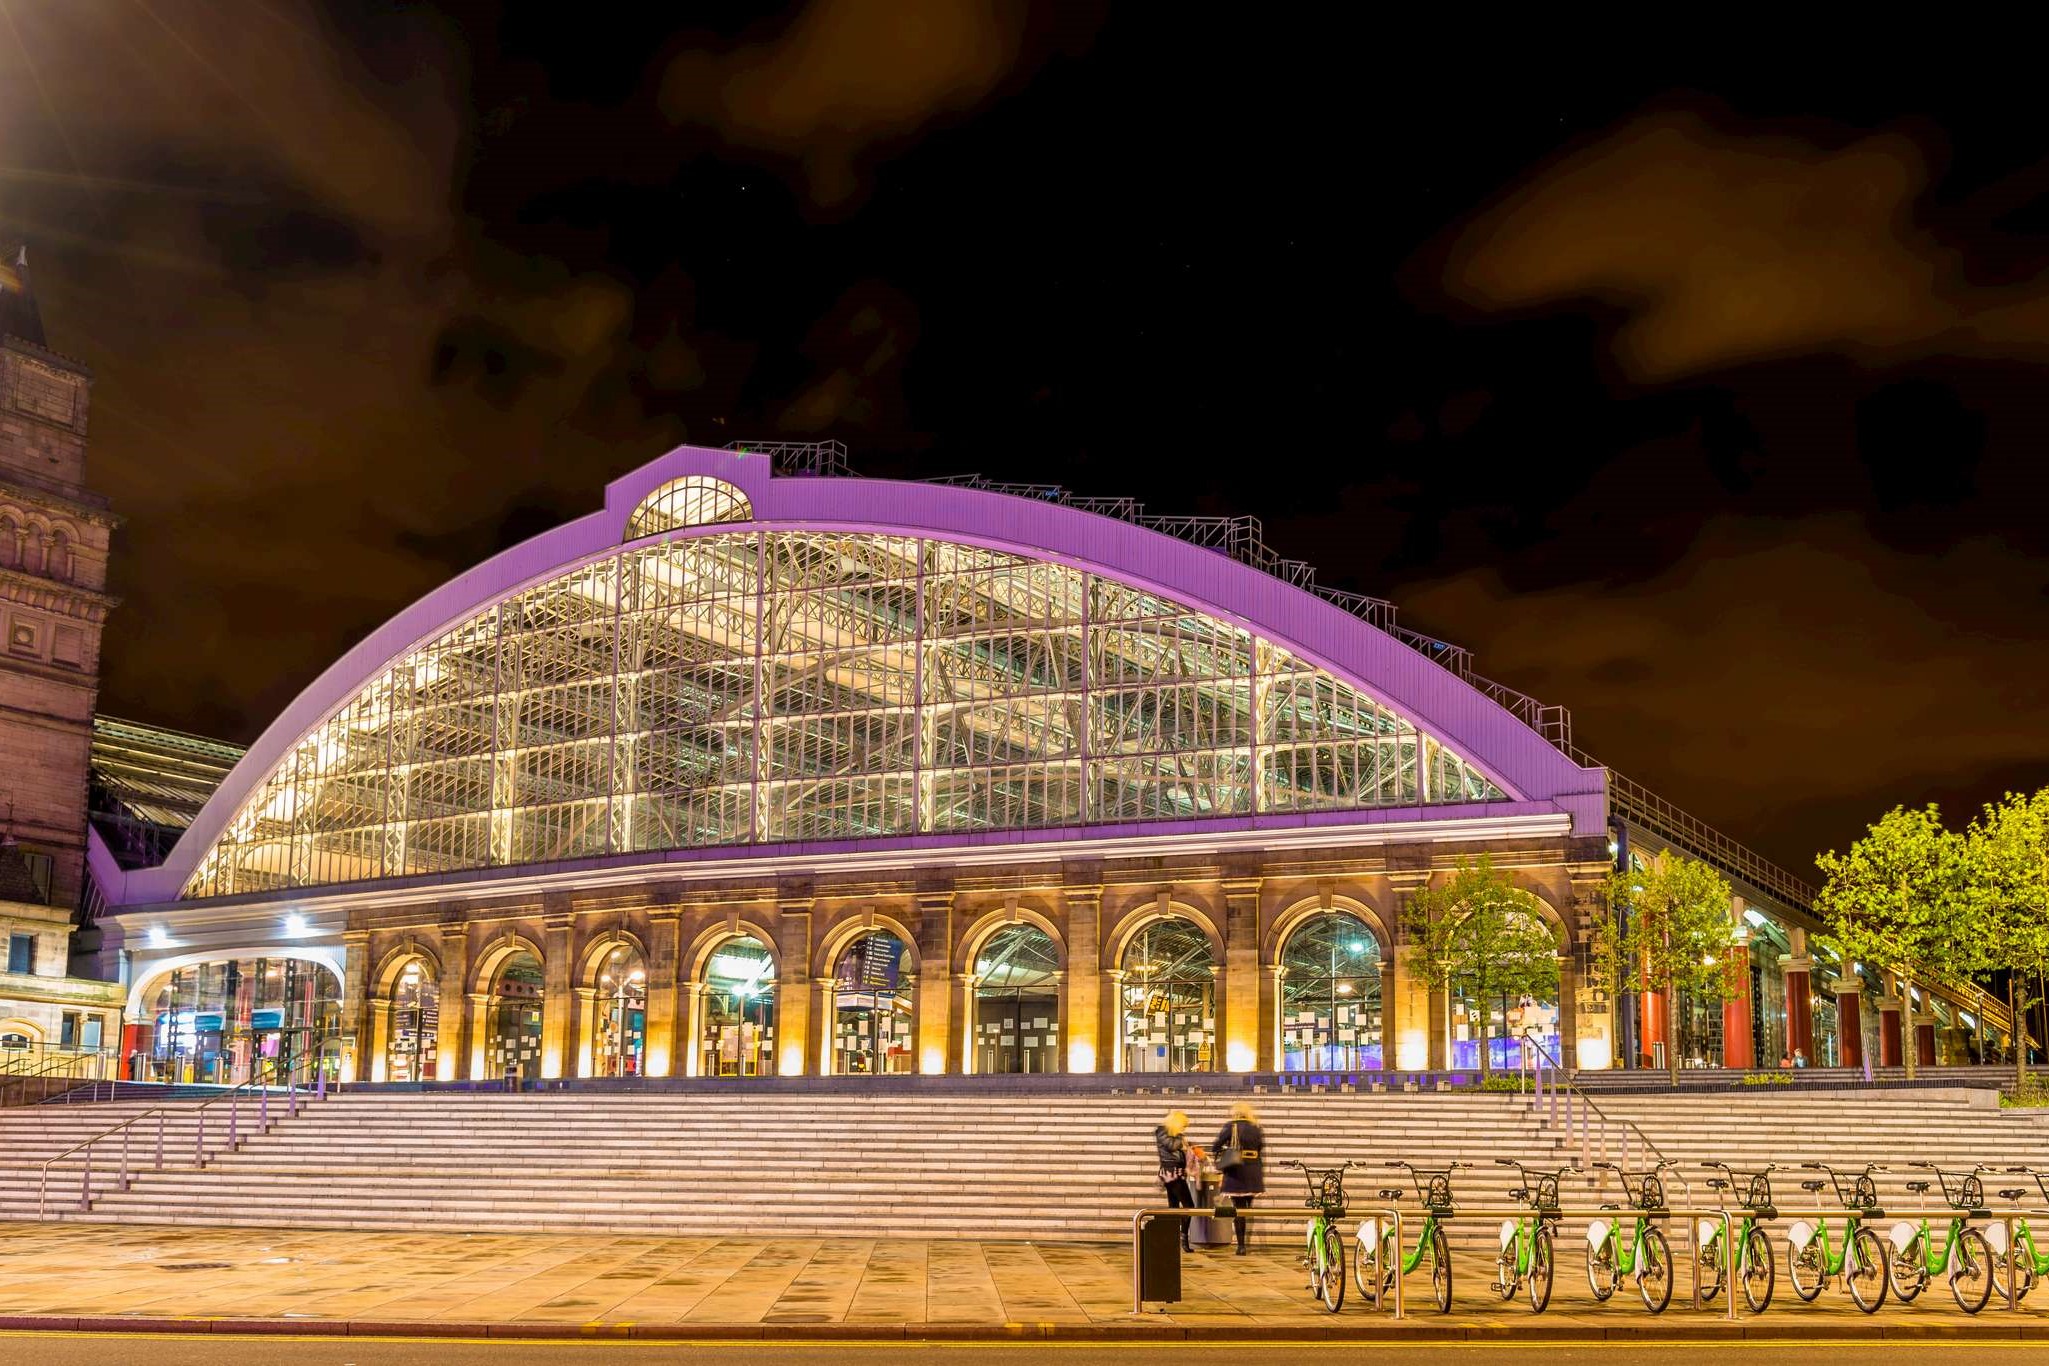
(791, 1062)
(1081, 1056)
(1412, 1051)
(932, 1061)
(1595, 1055)
(1240, 1056)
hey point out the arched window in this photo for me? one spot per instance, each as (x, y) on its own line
(1502, 1021)
(871, 1011)
(737, 1035)
(1330, 996)
(619, 1029)
(1017, 1002)
(513, 1043)
(412, 1044)
(59, 560)
(1168, 991)
(692, 501)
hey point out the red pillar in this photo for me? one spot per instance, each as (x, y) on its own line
(1652, 1016)
(1924, 1042)
(1850, 1026)
(1738, 1048)
(1889, 1053)
(1799, 1010)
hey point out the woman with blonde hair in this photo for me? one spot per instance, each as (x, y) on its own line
(1172, 1150)
(1241, 1158)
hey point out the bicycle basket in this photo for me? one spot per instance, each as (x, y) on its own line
(1759, 1196)
(1330, 1193)
(1972, 1196)
(1863, 1193)
(1651, 1194)
(1437, 1194)
(1545, 1192)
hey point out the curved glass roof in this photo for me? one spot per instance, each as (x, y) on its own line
(752, 686)
(694, 500)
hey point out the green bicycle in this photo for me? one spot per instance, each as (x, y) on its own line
(1326, 1252)
(1752, 1247)
(2024, 1263)
(1377, 1247)
(1812, 1257)
(1642, 1252)
(1525, 1262)
(1918, 1256)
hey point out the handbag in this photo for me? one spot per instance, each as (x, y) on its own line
(1232, 1155)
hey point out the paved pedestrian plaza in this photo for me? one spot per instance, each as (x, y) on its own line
(207, 1279)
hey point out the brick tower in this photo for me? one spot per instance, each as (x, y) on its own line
(53, 600)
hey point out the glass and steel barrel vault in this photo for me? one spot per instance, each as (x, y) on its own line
(729, 685)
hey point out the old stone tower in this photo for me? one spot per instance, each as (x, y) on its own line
(53, 600)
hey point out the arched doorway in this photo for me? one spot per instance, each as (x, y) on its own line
(513, 1040)
(737, 1034)
(1330, 995)
(1503, 1019)
(1017, 1002)
(1167, 1009)
(619, 1029)
(228, 1021)
(871, 1006)
(412, 1042)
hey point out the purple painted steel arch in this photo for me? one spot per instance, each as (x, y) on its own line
(1533, 772)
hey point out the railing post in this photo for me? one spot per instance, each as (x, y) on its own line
(234, 1115)
(199, 1137)
(160, 1140)
(1625, 1145)
(1554, 1102)
(85, 1182)
(124, 1155)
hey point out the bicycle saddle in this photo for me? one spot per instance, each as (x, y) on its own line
(2014, 1194)
(1387, 1194)
(1715, 1184)
(1519, 1193)
(1611, 1207)
(1918, 1187)
(1812, 1185)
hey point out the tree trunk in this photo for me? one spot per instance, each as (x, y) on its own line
(2018, 1032)
(1672, 1031)
(1910, 1029)
(1486, 1068)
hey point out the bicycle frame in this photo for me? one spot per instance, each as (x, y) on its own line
(1832, 1257)
(1624, 1252)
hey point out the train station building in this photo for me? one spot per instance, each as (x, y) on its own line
(765, 768)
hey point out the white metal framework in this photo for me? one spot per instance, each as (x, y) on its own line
(694, 500)
(757, 685)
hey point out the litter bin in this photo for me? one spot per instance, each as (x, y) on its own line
(1159, 1261)
(1207, 1231)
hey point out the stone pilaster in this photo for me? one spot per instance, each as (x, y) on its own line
(1082, 1011)
(453, 1058)
(665, 932)
(1849, 1019)
(558, 1004)
(356, 1018)
(1249, 1021)
(939, 1041)
(795, 1041)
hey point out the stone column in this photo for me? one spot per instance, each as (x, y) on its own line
(356, 1003)
(1924, 1038)
(451, 1045)
(479, 1033)
(691, 1045)
(1113, 1037)
(795, 1043)
(1590, 1037)
(1849, 1019)
(1248, 1023)
(1890, 1053)
(962, 1059)
(1081, 1009)
(938, 1040)
(378, 1041)
(1426, 1017)
(586, 1031)
(1799, 997)
(1389, 1035)
(558, 1004)
(1739, 1041)
(665, 933)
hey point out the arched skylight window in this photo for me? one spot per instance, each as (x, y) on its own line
(691, 501)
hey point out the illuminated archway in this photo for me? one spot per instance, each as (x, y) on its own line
(1167, 999)
(1329, 997)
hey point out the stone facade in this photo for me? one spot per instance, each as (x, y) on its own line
(43, 1010)
(1246, 905)
(54, 536)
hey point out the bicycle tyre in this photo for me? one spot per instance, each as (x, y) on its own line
(1601, 1275)
(1330, 1275)
(1506, 1279)
(1540, 1269)
(1440, 1270)
(1707, 1267)
(1970, 1272)
(1806, 1269)
(1759, 1273)
(1909, 1272)
(1361, 1265)
(1867, 1253)
(2022, 1271)
(1654, 1266)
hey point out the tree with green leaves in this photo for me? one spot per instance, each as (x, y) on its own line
(1668, 937)
(1479, 931)
(1900, 899)
(2007, 877)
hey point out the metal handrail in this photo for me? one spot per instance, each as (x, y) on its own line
(263, 1083)
(52, 1072)
(1562, 1079)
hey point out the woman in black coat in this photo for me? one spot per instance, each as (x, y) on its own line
(1247, 1177)
(1172, 1150)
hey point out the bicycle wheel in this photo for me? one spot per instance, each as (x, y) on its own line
(1440, 1270)
(1363, 1267)
(1758, 1273)
(1970, 1271)
(1707, 1267)
(1807, 1268)
(1909, 1274)
(1654, 1270)
(2020, 1266)
(1865, 1269)
(1540, 1269)
(1330, 1271)
(1601, 1277)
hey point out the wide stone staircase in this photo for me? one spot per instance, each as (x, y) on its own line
(759, 1161)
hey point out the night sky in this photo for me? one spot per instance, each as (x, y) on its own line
(1700, 395)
